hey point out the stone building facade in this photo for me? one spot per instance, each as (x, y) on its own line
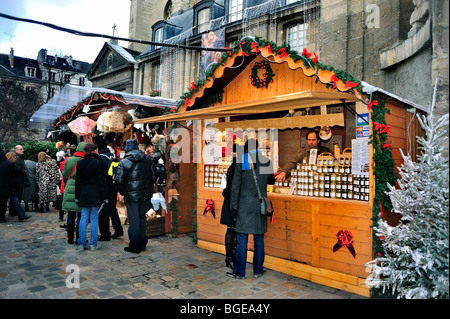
(400, 46)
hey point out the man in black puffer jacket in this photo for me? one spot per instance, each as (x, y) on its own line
(135, 178)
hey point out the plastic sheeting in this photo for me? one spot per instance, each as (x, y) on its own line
(72, 94)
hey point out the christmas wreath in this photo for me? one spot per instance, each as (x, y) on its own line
(267, 75)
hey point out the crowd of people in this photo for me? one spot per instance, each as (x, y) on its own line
(90, 176)
(87, 178)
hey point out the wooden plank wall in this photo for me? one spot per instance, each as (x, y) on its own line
(286, 81)
(304, 230)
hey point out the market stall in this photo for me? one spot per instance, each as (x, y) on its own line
(322, 226)
(109, 114)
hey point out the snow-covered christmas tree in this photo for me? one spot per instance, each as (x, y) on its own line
(415, 262)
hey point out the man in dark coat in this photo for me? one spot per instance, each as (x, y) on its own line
(313, 140)
(135, 178)
(245, 205)
(90, 193)
(109, 210)
(6, 175)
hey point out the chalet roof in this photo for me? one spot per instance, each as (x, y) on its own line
(70, 95)
(233, 63)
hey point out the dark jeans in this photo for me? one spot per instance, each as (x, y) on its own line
(109, 211)
(137, 224)
(240, 259)
(14, 205)
(3, 206)
(72, 216)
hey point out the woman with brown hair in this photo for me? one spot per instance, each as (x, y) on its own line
(15, 189)
(47, 177)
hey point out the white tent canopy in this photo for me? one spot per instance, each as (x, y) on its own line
(72, 94)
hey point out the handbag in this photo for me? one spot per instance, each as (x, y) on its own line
(265, 203)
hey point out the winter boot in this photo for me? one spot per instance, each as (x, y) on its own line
(47, 206)
(230, 250)
(70, 233)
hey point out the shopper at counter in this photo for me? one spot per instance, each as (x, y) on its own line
(313, 142)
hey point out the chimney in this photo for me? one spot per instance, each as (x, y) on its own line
(11, 58)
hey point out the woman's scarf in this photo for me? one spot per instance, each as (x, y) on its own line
(245, 161)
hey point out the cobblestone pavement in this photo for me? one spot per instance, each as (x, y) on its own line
(36, 262)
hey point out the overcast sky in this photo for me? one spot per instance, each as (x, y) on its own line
(96, 16)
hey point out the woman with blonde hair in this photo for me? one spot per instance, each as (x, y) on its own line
(47, 177)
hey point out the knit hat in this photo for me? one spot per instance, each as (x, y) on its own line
(131, 145)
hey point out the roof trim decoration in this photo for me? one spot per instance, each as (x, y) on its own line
(307, 61)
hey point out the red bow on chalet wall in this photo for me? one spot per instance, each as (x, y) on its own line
(345, 238)
(210, 207)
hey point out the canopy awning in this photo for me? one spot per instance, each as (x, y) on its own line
(72, 94)
(272, 104)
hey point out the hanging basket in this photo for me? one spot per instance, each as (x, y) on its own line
(111, 122)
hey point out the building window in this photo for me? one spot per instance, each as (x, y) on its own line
(236, 7)
(203, 17)
(52, 76)
(157, 79)
(158, 37)
(67, 78)
(81, 81)
(296, 36)
(30, 72)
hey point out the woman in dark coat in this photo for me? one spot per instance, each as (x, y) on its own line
(226, 218)
(90, 193)
(246, 206)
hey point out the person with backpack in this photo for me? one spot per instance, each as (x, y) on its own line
(135, 178)
(109, 210)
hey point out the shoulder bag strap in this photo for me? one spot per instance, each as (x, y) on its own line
(255, 178)
(71, 172)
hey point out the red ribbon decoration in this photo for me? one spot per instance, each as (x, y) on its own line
(282, 52)
(306, 53)
(345, 238)
(255, 46)
(210, 207)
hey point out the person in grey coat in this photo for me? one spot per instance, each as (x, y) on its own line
(30, 193)
(245, 205)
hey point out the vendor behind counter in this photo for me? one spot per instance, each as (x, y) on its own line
(313, 141)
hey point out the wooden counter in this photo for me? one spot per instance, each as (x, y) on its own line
(300, 240)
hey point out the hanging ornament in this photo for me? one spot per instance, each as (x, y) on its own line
(345, 238)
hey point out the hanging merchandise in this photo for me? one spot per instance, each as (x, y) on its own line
(111, 122)
(325, 133)
(82, 126)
